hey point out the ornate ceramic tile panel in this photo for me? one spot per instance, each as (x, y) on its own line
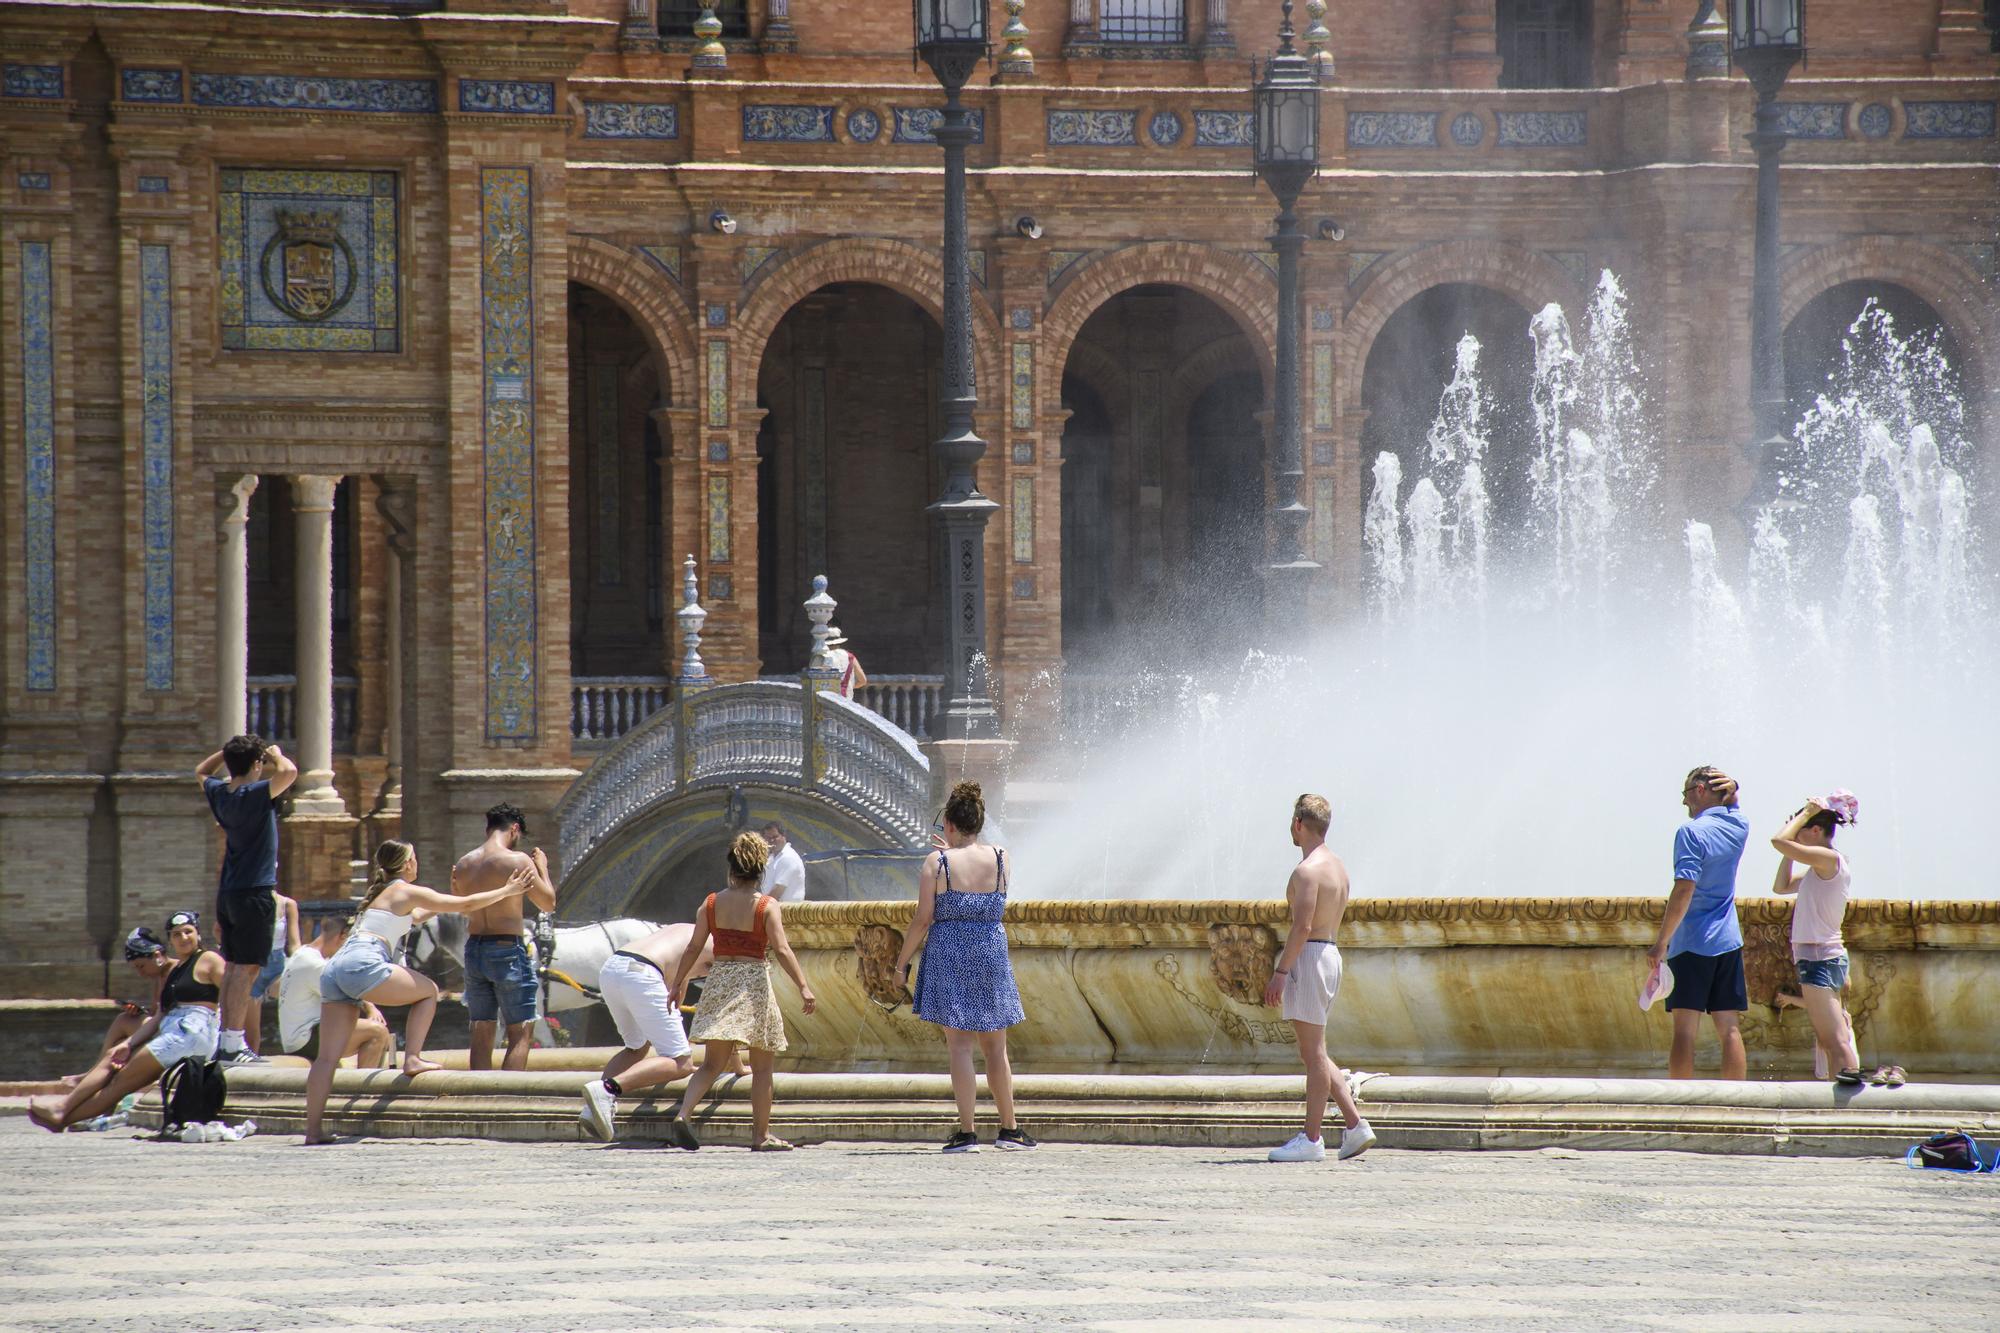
(1021, 317)
(507, 97)
(1322, 386)
(150, 85)
(718, 382)
(1024, 520)
(309, 260)
(42, 81)
(864, 125)
(1948, 120)
(1024, 587)
(1467, 129)
(666, 257)
(156, 417)
(785, 123)
(1874, 120)
(1023, 386)
(918, 124)
(630, 120)
(1061, 261)
(1224, 129)
(1069, 127)
(507, 318)
(34, 180)
(1165, 129)
(154, 185)
(756, 260)
(38, 473)
(718, 451)
(1542, 129)
(1392, 129)
(1024, 452)
(721, 587)
(601, 386)
(718, 519)
(715, 316)
(1813, 120)
(286, 92)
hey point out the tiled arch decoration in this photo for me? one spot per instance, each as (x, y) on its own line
(1528, 276)
(898, 265)
(1952, 287)
(662, 316)
(1239, 284)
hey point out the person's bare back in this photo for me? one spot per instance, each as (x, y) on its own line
(488, 866)
(664, 947)
(1325, 876)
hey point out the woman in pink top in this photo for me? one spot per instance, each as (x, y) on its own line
(1819, 875)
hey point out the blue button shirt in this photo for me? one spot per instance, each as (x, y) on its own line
(1706, 850)
(250, 826)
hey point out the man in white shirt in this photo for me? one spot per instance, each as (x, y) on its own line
(784, 873)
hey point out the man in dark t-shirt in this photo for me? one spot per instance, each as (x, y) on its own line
(245, 909)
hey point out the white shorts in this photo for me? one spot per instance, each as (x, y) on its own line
(1312, 984)
(186, 1030)
(636, 995)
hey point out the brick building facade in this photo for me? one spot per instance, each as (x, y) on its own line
(411, 337)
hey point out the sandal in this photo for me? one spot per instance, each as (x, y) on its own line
(771, 1143)
(1888, 1076)
(1850, 1077)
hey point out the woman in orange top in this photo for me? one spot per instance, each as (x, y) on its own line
(738, 1005)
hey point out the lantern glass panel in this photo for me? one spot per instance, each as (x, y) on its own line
(951, 21)
(1760, 23)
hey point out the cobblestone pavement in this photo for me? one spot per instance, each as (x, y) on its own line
(113, 1231)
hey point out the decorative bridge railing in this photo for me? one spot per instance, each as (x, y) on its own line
(270, 709)
(765, 732)
(605, 708)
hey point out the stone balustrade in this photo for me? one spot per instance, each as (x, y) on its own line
(271, 709)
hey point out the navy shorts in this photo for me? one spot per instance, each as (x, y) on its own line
(1709, 984)
(499, 980)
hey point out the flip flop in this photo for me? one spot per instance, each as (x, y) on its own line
(771, 1143)
(1850, 1077)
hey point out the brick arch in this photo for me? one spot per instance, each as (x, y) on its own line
(1198, 371)
(1242, 286)
(898, 265)
(654, 306)
(1529, 277)
(1959, 293)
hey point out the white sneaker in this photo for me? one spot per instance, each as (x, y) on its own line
(1299, 1148)
(1354, 1142)
(599, 1114)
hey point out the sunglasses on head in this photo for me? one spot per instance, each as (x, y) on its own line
(179, 919)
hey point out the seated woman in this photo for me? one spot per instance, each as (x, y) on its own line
(184, 1028)
(360, 971)
(371, 1043)
(148, 959)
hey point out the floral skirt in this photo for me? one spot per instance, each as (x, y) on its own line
(738, 1004)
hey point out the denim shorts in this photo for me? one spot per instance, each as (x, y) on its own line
(186, 1031)
(1830, 973)
(274, 967)
(499, 980)
(357, 967)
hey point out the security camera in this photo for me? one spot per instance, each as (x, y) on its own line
(722, 222)
(1028, 227)
(1329, 230)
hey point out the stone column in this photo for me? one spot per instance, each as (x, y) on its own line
(1215, 35)
(641, 31)
(232, 627)
(1081, 39)
(312, 699)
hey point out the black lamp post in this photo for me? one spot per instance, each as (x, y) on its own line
(951, 39)
(1766, 38)
(1287, 149)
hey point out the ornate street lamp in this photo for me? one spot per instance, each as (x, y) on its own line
(1286, 97)
(951, 39)
(1767, 38)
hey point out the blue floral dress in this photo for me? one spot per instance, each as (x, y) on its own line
(965, 980)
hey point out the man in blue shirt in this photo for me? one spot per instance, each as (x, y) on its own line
(245, 910)
(1699, 936)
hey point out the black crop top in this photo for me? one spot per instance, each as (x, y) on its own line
(182, 988)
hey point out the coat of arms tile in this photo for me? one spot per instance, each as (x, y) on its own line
(309, 260)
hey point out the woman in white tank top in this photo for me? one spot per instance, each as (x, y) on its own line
(364, 968)
(1810, 867)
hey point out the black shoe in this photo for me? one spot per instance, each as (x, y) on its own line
(962, 1142)
(682, 1135)
(1015, 1140)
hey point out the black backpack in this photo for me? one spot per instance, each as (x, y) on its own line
(191, 1093)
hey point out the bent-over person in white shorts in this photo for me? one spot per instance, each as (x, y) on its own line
(1307, 977)
(634, 985)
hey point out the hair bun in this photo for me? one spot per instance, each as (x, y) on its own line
(967, 791)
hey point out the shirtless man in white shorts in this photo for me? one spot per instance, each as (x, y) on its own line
(1307, 978)
(634, 983)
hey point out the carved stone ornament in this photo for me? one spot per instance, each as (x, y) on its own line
(1240, 959)
(876, 949)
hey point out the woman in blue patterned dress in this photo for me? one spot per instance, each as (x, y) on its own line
(966, 986)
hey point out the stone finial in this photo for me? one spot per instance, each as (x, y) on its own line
(1015, 58)
(691, 618)
(1708, 44)
(1317, 40)
(709, 53)
(819, 610)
